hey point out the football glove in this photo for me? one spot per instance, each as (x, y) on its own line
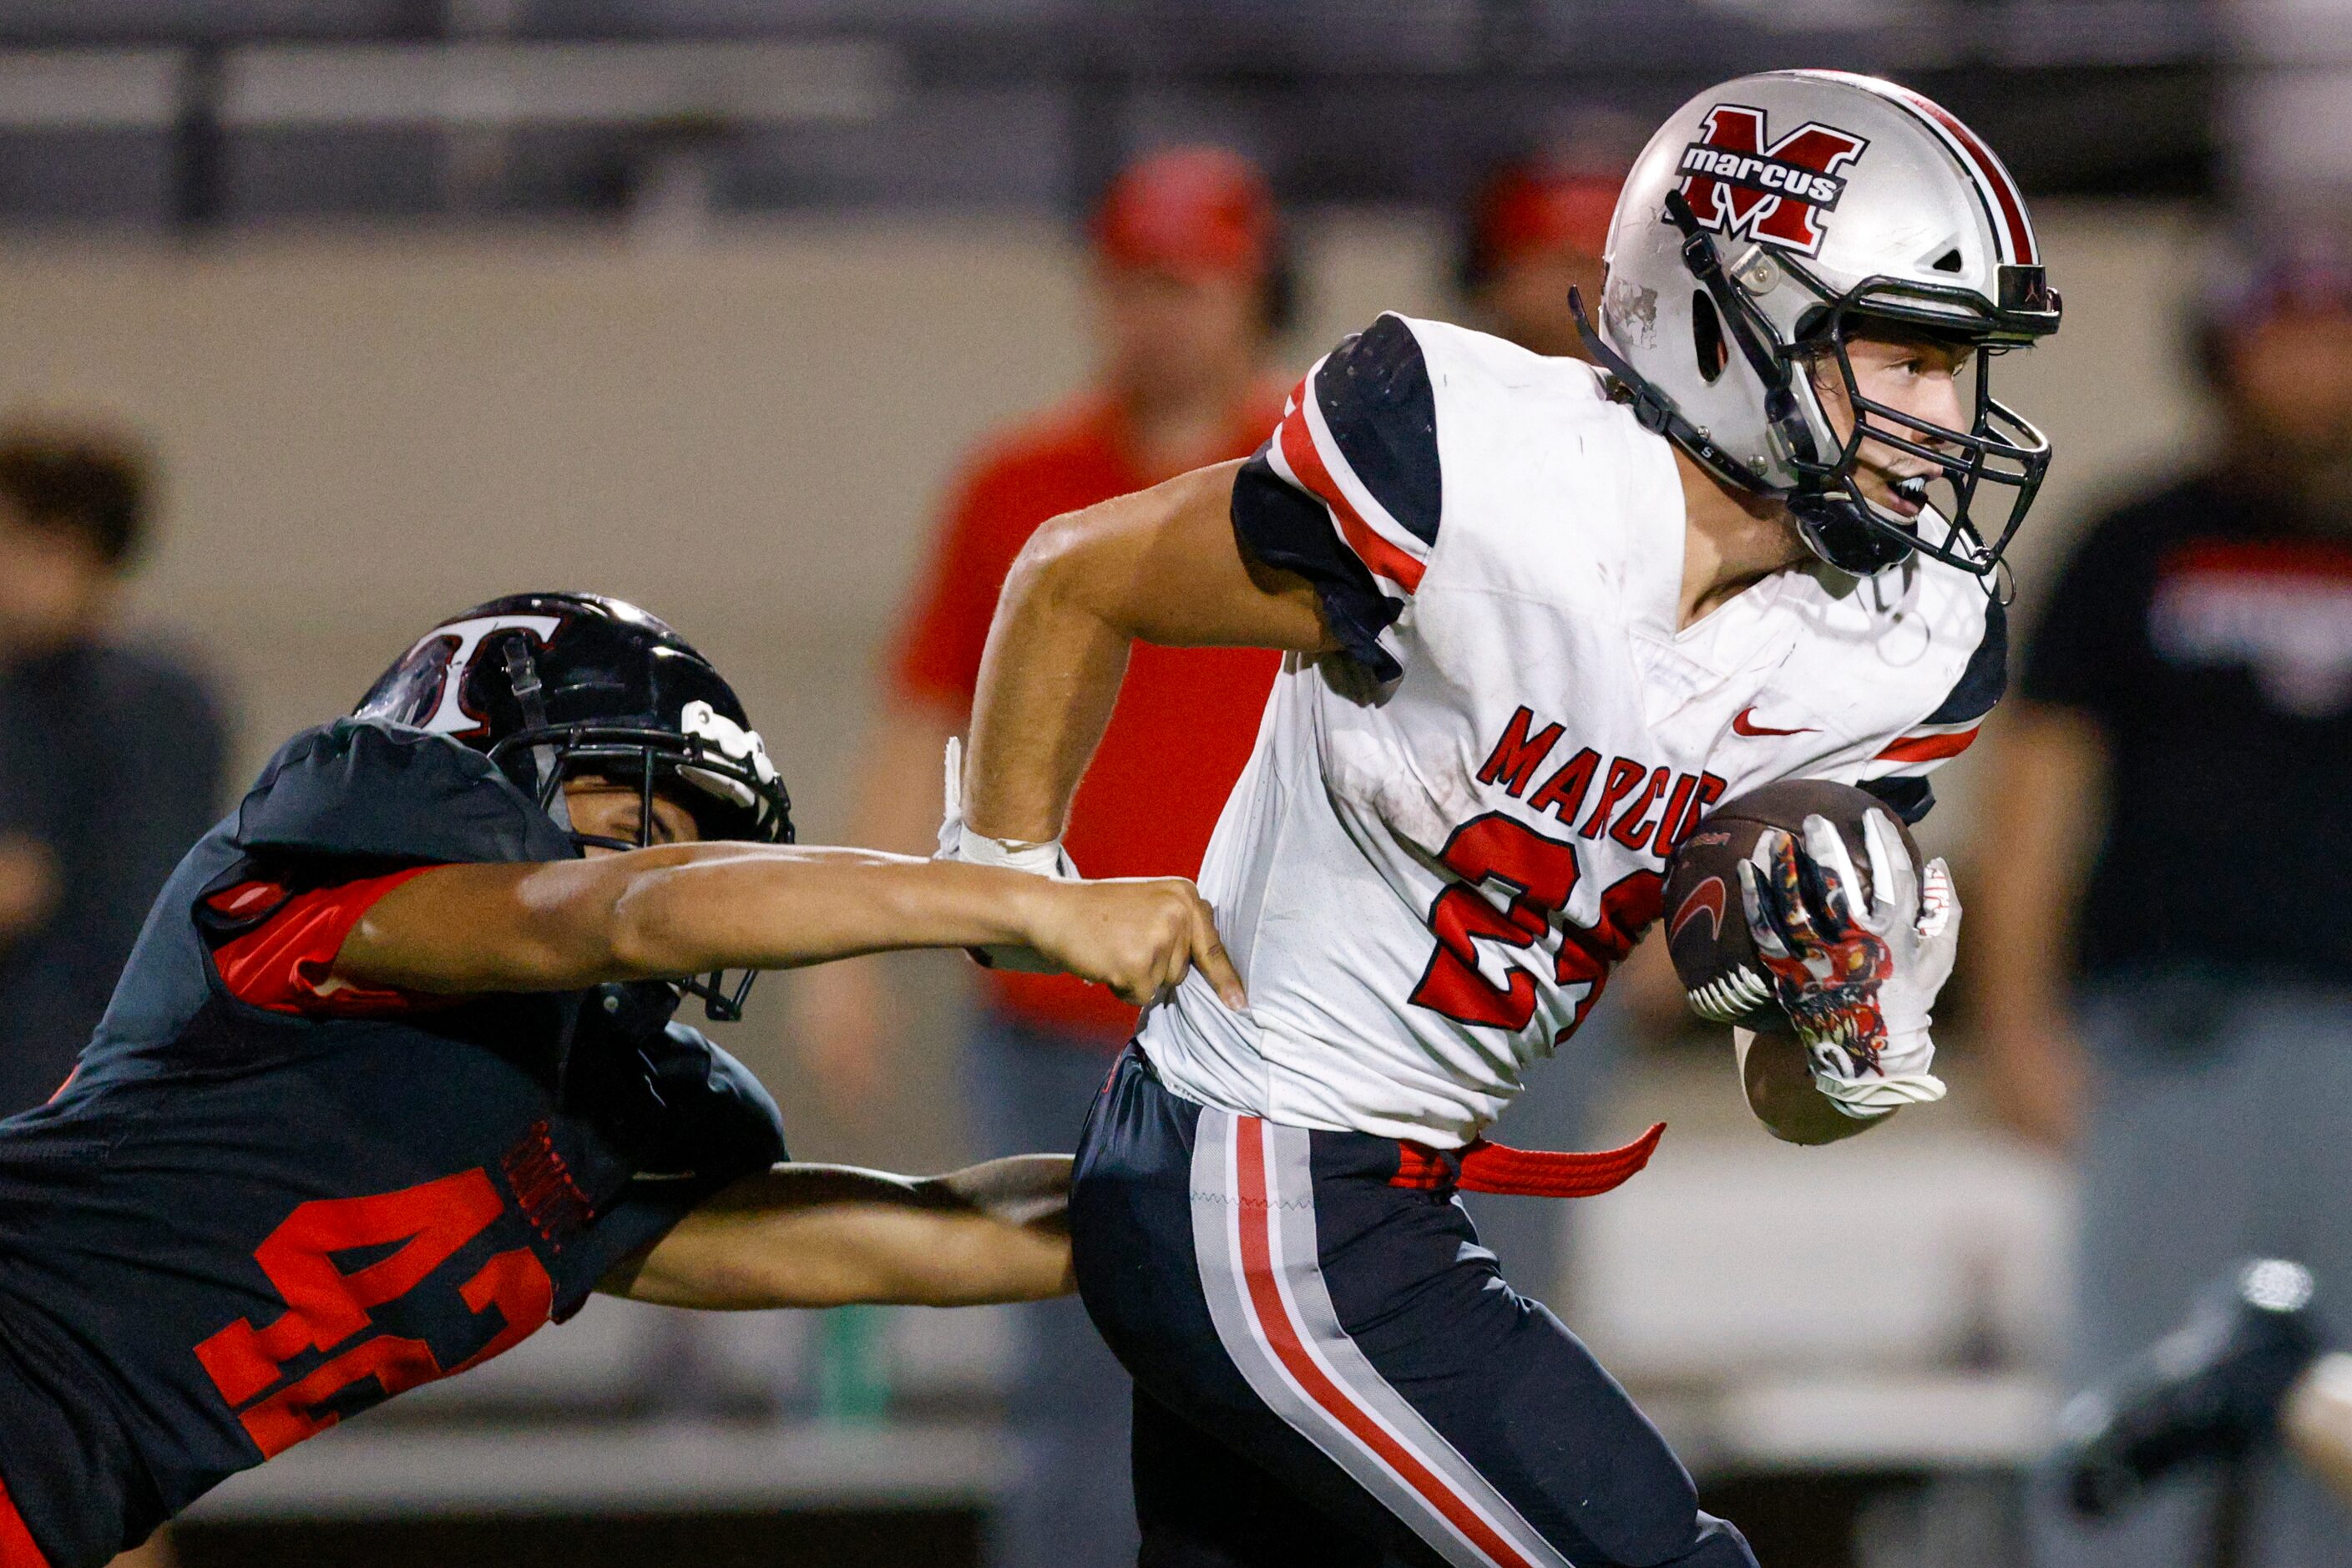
(1856, 983)
(959, 842)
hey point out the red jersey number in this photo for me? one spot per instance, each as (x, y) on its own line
(1541, 873)
(327, 1310)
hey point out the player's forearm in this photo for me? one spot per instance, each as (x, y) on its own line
(1058, 655)
(1160, 566)
(781, 909)
(1049, 677)
(659, 914)
(681, 910)
(827, 1236)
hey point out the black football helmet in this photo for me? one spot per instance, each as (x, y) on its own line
(553, 686)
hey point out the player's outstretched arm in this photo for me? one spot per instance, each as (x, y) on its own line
(688, 908)
(1158, 566)
(1777, 1076)
(827, 1236)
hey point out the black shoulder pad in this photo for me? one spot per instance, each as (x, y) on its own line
(1377, 401)
(1986, 676)
(369, 789)
(1284, 529)
(1909, 799)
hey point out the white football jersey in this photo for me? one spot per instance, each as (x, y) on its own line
(1446, 838)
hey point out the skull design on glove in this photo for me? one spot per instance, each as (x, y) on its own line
(1855, 970)
(1826, 966)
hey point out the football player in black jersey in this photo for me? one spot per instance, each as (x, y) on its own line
(391, 1078)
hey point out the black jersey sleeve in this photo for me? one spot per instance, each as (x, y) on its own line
(368, 791)
(1346, 494)
(1909, 799)
(1287, 529)
(693, 1120)
(1984, 676)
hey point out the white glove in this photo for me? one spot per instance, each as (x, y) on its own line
(957, 842)
(1857, 987)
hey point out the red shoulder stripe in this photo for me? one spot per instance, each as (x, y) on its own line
(286, 963)
(17, 1549)
(1930, 748)
(1377, 554)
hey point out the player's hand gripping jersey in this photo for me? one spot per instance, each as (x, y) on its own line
(1446, 839)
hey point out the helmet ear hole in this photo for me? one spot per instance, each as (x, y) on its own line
(1706, 338)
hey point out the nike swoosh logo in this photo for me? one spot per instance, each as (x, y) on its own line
(1742, 725)
(1707, 899)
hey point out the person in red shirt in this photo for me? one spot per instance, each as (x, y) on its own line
(1535, 229)
(1191, 289)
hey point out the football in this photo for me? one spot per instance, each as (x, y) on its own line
(1707, 927)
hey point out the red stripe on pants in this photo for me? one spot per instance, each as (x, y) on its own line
(16, 1547)
(1283, 1336)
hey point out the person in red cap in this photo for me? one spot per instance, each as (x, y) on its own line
(1190, 290)
(1536, 229)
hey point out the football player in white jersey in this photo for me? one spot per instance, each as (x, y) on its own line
(1539, 614)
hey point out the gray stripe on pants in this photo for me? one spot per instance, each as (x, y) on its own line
(1290, 1216)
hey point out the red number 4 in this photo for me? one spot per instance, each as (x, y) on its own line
(1541, 873)
(326, 1308)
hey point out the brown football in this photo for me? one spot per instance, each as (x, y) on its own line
(1706, 929)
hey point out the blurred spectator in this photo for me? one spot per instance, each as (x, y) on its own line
(2170, 808)
(1190, 288)
(110, 757)
(1535, 230)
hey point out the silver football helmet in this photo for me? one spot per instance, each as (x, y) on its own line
(1766, 220)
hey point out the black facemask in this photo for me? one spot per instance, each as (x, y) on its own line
(2002, 448)
(556, 686)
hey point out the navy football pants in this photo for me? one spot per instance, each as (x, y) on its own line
(1330, 1371)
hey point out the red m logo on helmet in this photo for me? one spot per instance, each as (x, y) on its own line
(1738, 184)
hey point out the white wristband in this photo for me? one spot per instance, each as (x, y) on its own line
(1049, 859)
(959, 842)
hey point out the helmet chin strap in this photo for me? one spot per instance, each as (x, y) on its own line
(522, 675)
(1836, 529)
(1654, 412)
